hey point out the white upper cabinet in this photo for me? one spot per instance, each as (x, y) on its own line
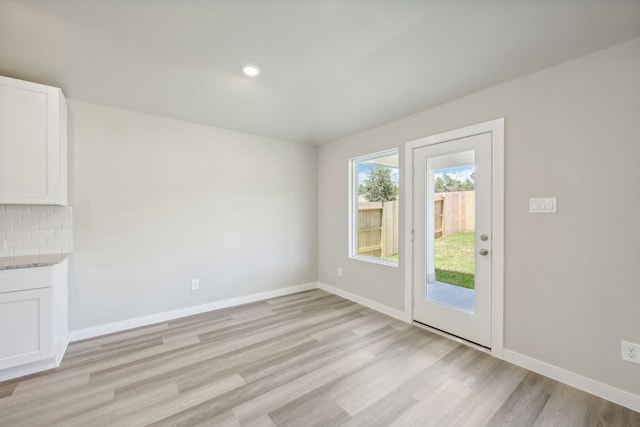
(33, 144)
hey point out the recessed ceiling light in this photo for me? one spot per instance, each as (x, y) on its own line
(251, 70)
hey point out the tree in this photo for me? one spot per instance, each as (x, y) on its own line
(447, 184)
(469, 184)
(378, 186)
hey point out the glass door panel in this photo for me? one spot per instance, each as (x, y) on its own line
(450, 196)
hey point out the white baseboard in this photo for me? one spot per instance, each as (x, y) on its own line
(35, 367)
(621, 397)
(610, 393)
(61, 350)
(398, 314)
(588, 385)
(28, 369)
(123, 325)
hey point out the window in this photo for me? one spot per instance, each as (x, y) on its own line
(374, 207)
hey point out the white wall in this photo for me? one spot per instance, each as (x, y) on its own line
(572, 288)
(158, 202)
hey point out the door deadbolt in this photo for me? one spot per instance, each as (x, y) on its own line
(484, 237)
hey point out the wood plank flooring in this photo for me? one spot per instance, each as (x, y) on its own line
(302, 360)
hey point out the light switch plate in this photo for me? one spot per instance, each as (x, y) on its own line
(543, 205)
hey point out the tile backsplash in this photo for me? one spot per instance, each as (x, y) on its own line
(35, 230)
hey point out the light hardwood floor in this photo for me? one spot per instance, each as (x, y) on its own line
(308, 359)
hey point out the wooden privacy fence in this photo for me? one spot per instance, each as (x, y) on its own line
(454, 212)
(378, 222)
(378, 228)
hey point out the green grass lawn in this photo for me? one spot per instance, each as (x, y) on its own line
(456, 278)
(455, 259)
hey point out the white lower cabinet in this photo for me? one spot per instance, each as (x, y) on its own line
(26, 327)
(33, 319)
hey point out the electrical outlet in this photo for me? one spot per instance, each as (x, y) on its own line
(195, 284)
(631, 352)
(339, 271)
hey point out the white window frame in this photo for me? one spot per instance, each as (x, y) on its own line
(353, 206)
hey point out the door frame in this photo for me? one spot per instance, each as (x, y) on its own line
(496, 128)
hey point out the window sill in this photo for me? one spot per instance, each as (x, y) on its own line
(374, 260)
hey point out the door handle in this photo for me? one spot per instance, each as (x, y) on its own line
(484, 252)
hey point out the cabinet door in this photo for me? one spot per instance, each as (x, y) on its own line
(26, 331)
(31, 143)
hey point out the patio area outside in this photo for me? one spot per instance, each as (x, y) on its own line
(454, 268)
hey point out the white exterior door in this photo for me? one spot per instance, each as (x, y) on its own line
(452, 222)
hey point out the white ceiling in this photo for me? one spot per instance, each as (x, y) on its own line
(330, 67)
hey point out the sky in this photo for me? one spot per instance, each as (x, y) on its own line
(461, 173)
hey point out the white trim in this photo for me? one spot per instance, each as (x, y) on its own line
(408, 232)
(123, 325)
(496, 127)
(588, 385)
(375, 260)
(61, 352)
(451, 337)
(109, 328)
(610, 393)
(28, 369)
(353, 206)
(384, 309)
(497, 237)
